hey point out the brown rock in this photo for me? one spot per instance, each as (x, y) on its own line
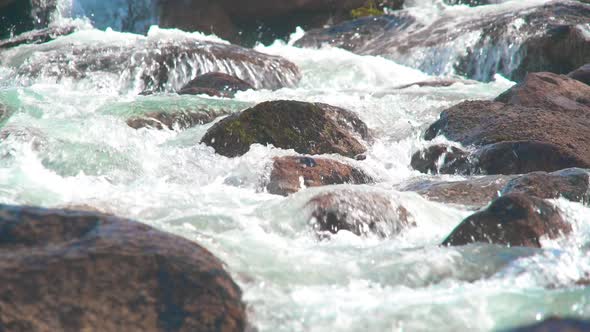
(174, 120)
(550, 92)
(555, 324)
(581, 74)
(309, 128)
(79, 271)
(290, 173)
(215, 84)
(441, 159)
(571, 184)
(475, 192)
(512, 220)
(362, 213)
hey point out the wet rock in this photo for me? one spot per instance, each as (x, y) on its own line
(555, 324)
(163, 64)
(441, 159)
(38, 36)
(474, 192)
(215, 84)
(510, 41)
(259, 20)
(522, 157)
(308, 128)
(174, 120)
(512, 220)
(441, 83)
(361, 213)
(571, 184)
(539, 125)
(65, 271)
(291, 174)
(581, 74)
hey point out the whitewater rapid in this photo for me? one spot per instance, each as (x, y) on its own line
(70, 146)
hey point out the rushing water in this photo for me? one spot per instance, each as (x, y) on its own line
(70, 146)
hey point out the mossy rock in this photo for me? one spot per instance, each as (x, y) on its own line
(309, 128)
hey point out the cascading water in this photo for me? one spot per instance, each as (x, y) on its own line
(67, 143)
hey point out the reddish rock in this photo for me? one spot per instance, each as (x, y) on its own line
(362, 213)
(174, 120)
(308, 128)
(289, 174)
(512, 220)
(555, 324)
(81, 271)
(475, 192)
(441, 159)
(571, 184)
(215, 84)
(550, 92)
(542, 124)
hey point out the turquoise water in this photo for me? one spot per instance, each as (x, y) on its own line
(67, 144)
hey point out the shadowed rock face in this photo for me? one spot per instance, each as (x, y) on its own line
(555, 324)
(541, 124)
(441, 159)
(215, 84)
(305, 127)
(290, 174)
(547, 37)
(581, 74)
(361, 213)
(153, 64)
(74, 271)
(512, 220)
(257, 20)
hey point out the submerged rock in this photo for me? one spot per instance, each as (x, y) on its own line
(361, 213)
(150, 63)
(555, 324)
(64, 270)
(215, 84)
(513, 220)
(291, 174)
(542, 124)
(511, 41)
(475, 192)
(174, 120)
(571, 184)
(308, 128)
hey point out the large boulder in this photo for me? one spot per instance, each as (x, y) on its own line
(542, 124)
(291, 174)
(361, 213)
(259, 20)
(512, 40)
(163, 64)
(80, 271)
(555, 324)
(215, 84)
(308, 128)
(512, 220)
